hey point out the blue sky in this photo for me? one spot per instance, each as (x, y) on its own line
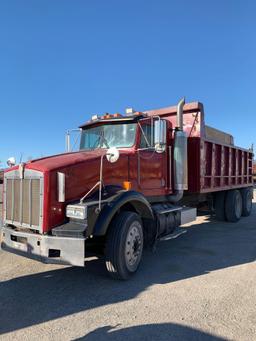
(61, 61)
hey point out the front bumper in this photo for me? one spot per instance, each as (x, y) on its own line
(47, 249)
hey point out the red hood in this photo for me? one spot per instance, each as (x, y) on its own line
(82, 171)
(59, 161)
(56, 162)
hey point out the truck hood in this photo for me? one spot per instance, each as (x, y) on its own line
(57, 162)
(82, 172)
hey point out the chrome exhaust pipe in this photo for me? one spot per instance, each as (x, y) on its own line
(180, 157)
(179, 121)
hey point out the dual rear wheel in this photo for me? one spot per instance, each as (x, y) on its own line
(231, 205)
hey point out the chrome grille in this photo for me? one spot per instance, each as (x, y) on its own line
(23, 199)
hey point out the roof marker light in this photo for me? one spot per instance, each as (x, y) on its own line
(94, 117)
(129, 111)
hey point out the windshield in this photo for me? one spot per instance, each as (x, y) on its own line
(109, 135)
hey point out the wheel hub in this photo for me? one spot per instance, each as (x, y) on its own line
(133, 245)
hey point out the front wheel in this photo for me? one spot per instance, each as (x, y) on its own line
(124, 245)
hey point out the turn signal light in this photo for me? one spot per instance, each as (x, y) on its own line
(127, 185)
(107, 116)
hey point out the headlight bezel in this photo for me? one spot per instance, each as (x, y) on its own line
(76, 211)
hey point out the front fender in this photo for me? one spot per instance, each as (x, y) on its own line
(136, 199)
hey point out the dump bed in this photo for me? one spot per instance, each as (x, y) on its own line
(214, 162)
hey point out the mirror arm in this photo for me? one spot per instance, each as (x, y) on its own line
(68, 133)
(144, 135)
(99, 183)
(68, 141)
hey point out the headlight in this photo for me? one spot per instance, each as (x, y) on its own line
(76, 211)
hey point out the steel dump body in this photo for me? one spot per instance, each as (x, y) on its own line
(214, 163)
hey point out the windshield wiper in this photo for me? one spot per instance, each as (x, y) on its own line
(101, 139)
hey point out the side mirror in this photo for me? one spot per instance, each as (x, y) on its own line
(160, 135)
(68, 139)
(112, 154)
(11, 162)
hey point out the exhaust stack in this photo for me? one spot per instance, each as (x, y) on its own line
(180, 157)
(179, 120)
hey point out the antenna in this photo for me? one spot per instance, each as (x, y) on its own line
(21, 156)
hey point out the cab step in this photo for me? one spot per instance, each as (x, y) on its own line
(70, 229)
(178, 232)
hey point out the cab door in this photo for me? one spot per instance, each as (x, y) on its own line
(152, 165)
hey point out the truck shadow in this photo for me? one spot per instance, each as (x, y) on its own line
(206, 247)
(162, 331)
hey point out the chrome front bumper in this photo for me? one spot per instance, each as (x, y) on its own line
(47, 249)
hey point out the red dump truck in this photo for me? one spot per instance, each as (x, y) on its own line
(135, 180)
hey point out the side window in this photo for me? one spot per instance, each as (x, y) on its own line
(146, 136)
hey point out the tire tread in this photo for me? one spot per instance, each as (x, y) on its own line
(220, 206)
(112, 251)
(230, 206)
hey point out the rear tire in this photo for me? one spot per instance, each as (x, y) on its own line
(220, 206)
(233, 205)
(247, 195)
(124, 245)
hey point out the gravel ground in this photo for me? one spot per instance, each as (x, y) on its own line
(200, 286)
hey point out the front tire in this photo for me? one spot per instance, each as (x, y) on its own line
(124, 245)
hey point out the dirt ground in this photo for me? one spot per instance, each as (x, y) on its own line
(200, 286)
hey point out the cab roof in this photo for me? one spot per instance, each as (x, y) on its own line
(135, 116)
(113, 119)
